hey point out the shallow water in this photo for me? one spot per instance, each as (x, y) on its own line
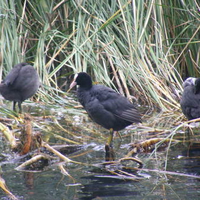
(94, 181)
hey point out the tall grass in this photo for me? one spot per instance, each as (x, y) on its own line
(141, 48)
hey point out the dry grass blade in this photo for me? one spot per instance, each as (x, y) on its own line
(170, 173)
(9, 135)
(65, 139)
(149, 145)
(64, 172)
(6, 190)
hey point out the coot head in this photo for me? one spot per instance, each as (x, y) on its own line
(82, 79)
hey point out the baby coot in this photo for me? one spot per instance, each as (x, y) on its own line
(21, 83)
(190, 101)
(105, 106)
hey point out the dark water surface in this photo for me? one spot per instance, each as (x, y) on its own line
(182, 162)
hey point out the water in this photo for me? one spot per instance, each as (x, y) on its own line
(92, 180)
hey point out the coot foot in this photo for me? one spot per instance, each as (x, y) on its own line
(110, 153)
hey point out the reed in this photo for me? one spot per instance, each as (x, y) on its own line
(140, 48)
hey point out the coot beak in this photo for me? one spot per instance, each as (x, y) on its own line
(72, 85)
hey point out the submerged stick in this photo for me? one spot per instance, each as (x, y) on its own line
(61, 156)
(29, 162)
(57, 153)
(27, 135)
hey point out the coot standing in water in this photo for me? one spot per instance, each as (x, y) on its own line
(21, 83)
(105, 106)
(190, 100)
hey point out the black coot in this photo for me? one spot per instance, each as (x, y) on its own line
(105, 106)
(21, 83)
(190, 101)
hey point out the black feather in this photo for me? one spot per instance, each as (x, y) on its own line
(105, 106)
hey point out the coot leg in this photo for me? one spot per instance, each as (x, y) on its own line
(20, 106)
(110, 154)
(110, 138)
(14, 103)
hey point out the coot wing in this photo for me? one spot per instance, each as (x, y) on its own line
(116, 104)
(190, 103)
(27, 78)
(12, 75)
(131, 115)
